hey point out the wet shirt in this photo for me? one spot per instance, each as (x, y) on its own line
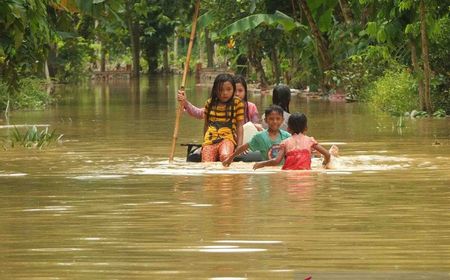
(265, 145)
(222, 121)
(298, 152)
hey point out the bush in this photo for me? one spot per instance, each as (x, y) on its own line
(3, 95)
(357, 72)
(395, 92)
(440, 93)
(31, 94)
(73, 60)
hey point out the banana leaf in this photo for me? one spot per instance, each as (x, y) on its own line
(251, 22)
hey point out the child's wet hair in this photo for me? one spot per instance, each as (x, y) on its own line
(281, 96)
(297, 123)
(273, 108)
(239, 79)
(218, 83)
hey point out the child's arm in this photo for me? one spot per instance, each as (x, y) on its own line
(198, 113)
(193, 111)
(239, 132)
(271, 162)
(239, 150)
(325, 154)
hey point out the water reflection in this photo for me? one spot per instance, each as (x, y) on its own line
(107, 204)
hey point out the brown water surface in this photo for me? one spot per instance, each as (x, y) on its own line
(106, 204)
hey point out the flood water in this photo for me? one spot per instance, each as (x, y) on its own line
(106, 204)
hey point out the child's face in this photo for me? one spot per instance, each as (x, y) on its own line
(274, 120)
(226, 92)
(240, 91)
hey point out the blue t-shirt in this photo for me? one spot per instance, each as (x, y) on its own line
(265, 145)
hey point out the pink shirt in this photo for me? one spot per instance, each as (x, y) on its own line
(252, 113)
(193, 111)
(298, 151)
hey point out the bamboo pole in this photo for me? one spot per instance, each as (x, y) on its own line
(183, 81)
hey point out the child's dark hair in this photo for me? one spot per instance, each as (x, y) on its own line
(297, 123)
(281, 96)
(239, 79)
(273, 108)
(218, 83)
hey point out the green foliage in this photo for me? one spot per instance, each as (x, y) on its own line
(23, 32)
(252, 21)
(3, 95)
(73, 60)
(395, 92)
(32, 138)
(440, 63)
(439, 113)
(31, 94)
(352, 76)
(356, 73)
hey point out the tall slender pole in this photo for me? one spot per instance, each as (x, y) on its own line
(183, 81)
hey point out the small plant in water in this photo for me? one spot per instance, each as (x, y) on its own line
(401, 122)
(439, 113)
(32, 138)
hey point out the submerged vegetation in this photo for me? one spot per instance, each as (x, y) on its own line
(31, 138)
(393, 54)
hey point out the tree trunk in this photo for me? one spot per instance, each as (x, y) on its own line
(294, 11)
(366, 14)
(322, 45)
(346, 11)
(175, 50)
(152, 59)
(133, 28)
(418, 72)
(425, 57)
(47, 72)
(259, 69)
(166, 67)
(275, 64)
(209, 49)
(51, 59)
(102, 58)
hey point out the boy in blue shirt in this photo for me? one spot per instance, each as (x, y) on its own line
(266, 142)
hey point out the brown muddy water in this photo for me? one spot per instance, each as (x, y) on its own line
(106, 204)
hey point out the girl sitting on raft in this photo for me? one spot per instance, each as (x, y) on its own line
(251, 113)
(224, 117)
(296, 150)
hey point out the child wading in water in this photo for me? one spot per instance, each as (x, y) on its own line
(267, 141)
(224, 117)
(296, 150)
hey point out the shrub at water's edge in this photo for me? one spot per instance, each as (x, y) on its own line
(395, 93)
(31, 94)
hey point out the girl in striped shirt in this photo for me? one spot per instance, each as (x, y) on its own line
(224, 117)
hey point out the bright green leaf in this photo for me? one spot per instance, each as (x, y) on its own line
(372, 28)
(325, 21)
(381, 36)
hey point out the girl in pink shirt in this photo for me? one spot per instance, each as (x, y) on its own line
(297, 149)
